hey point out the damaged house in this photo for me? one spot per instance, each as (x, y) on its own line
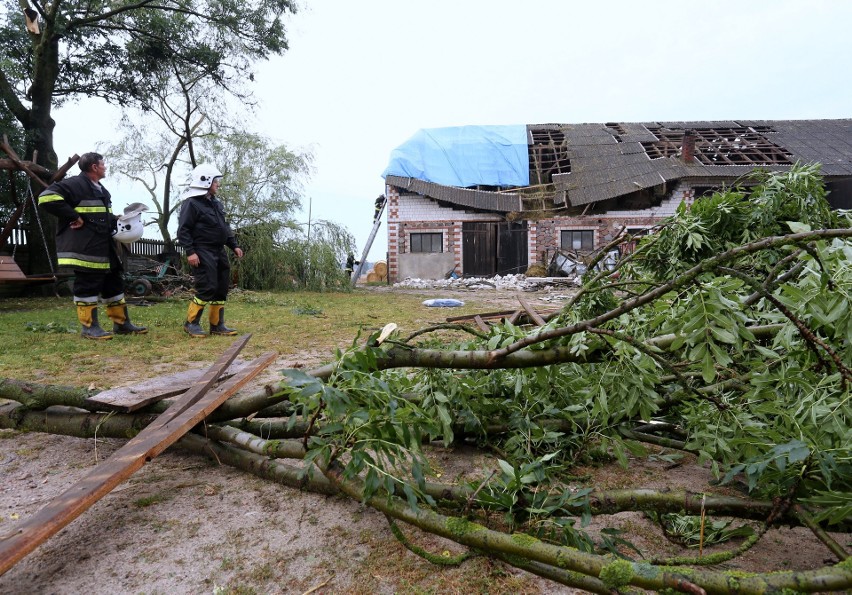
(486, 200)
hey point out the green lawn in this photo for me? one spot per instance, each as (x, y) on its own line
(40, 341)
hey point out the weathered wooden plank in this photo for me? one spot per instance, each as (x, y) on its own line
(130, 398)
(480, 323)
(532, 313)
(10, 271)
(184, 414)
(497, 314)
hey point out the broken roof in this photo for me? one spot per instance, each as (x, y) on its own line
(586, 163)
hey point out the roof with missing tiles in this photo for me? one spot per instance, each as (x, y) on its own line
(608, 160)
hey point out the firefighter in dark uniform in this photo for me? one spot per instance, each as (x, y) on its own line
(204, 233)
(84, 242)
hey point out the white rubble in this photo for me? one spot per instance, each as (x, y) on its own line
(505, 282)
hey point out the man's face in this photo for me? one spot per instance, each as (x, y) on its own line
(214, 186)
(99, 169)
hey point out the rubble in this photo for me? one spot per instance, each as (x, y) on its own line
(497, 282)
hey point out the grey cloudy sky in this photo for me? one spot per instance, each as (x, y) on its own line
(361, 77)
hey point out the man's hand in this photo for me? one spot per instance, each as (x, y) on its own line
(77, 224)
(193, 260)
(238, 252)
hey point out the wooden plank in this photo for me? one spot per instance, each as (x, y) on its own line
(10, 271)
(480, 323)
(514, 317)
(498, 313)
(169, 427)
(131, 398)
(533, 314)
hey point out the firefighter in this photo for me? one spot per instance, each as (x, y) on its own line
(379, 205)
(84, 242)
(204, 233)
(350, 265)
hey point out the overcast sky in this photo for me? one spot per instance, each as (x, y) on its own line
(361, 77)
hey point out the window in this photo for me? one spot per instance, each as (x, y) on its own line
(578, 239)
(636, 232)
(427, 242)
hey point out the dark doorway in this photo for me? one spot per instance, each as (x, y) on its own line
(498, 248)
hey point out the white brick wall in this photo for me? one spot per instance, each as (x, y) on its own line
(418, 208)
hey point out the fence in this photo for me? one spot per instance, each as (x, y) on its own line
(151, 248)
(20, 239)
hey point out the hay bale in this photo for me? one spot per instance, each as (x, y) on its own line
(372, 277)
(381, 268)
(536, 270)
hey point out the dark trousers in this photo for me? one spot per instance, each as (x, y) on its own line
(106, 284)
(213, 275)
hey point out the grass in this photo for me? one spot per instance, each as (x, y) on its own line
(305, 327)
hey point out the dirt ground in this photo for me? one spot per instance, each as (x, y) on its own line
(184, 524)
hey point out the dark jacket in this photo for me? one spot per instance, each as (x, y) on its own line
(87, 248)
(202, 223)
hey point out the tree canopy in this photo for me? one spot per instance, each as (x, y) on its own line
(54, 51)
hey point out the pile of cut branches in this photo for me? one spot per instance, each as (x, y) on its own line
(726, 334)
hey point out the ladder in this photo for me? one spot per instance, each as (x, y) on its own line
(377, 223)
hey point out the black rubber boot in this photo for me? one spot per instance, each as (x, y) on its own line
(121, 324)
(193, 320)
(217, 322)
(88, 317)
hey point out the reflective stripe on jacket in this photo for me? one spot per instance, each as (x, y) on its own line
(87, 248)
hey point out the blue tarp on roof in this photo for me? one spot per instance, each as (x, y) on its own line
(464, 156)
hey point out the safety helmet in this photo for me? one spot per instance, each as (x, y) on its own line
(200, 180)
(129, 226)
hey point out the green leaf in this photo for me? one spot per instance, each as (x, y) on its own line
(708, 369)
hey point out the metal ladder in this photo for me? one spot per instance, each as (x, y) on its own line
(376, 225)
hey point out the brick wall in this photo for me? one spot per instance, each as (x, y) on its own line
(409, 214)
(413, 213)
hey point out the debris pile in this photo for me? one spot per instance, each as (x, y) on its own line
(504, 282)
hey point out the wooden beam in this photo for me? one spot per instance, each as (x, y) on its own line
(21, 165)
(480, 323)
(533, 314)
(169, 427)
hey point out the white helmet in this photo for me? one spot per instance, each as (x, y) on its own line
(129, 226)
(200, 180)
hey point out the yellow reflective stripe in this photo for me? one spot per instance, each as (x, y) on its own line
(91, 209)
(76, 262)
(49, 198)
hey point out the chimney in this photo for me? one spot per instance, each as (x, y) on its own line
(687, 153)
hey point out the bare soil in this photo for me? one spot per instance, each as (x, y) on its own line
(184, 524)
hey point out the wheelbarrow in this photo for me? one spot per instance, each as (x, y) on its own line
(141, 282)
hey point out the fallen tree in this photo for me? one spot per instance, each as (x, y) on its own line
(727, 334)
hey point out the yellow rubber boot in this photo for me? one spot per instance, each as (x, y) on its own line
(87, 314)
(217, 321)
(193, 320)
(121, 325)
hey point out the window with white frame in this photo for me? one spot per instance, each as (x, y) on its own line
(427, 242)
(577, 239)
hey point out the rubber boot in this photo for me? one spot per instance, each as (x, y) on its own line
(193, 320)
(121, 324)
(87, 314)
(217, 321)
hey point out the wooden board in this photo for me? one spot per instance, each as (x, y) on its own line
(10, 271)
(532, 313)
(130, 398)
(167, 429)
